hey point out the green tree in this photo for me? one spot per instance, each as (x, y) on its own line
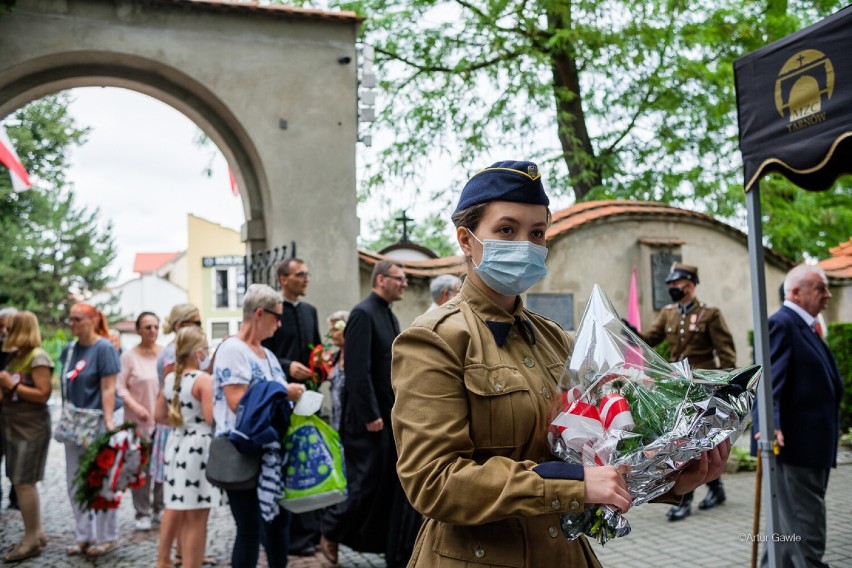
(53, 249)
(616, 99)
(431, 233)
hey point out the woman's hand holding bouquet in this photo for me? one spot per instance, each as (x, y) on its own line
(664, 427)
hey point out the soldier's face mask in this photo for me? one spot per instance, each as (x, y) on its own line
(676, 293)
(510, 267)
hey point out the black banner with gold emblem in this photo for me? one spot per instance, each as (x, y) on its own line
(794, 100)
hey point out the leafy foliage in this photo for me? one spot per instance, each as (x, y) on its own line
(52, 248)
(839, 341)
(615, 99)
(430, 233)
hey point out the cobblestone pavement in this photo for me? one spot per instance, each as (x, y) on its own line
(706, 539)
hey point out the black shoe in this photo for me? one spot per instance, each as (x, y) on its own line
(714, 497)
(680, 512)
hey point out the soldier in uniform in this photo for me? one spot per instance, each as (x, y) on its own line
(475, 381)
(697, 332)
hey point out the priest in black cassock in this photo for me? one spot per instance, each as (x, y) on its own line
(292, 344)
(376, 517)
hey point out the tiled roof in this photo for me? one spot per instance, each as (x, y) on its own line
(277, 10)
(593, 212)
(839, 264)
(418, 268)
(147, 262)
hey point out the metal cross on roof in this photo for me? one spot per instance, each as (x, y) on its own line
(404, 219)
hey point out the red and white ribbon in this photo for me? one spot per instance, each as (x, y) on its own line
(78, 368)
(615, 413)
(580, 423)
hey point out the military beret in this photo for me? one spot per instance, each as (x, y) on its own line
(504, 181)
(683, 271)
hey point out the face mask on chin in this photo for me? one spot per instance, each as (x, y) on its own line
(676, 294)
(510, 267)
(204, 362)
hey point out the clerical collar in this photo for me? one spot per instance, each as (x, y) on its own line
(292, 303)
(685, 309)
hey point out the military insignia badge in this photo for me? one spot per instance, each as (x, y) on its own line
(532, 170)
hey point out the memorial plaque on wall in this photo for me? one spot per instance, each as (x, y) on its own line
(661, 266)
(558, 307)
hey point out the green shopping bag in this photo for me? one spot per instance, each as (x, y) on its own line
(314, 472)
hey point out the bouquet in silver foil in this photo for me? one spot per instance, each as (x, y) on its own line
(623, 404)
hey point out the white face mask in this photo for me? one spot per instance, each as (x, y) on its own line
(204, 362)
(510, 267)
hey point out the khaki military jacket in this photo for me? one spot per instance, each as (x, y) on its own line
(710, 340)
(470, 423)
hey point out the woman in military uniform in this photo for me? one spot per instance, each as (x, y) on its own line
(475, 382)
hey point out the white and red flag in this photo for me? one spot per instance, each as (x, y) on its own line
(9, 158)
(235, 189)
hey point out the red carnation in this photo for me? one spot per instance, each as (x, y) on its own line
(106, 458)
(94, 478)
(99, 504)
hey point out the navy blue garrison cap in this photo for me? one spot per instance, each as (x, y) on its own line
(504, 181)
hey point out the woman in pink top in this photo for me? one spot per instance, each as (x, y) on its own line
(138, 386)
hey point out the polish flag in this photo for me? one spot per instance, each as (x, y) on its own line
(633, 303)
(234, 187)
(9, 158)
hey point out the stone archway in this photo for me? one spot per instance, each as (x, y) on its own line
(275, 88)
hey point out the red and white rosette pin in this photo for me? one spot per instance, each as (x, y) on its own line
(78, 368)
(615, 413)
(579, 424)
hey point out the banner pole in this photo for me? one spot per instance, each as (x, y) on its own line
(761, 357)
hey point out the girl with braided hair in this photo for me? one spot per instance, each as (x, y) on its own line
(186, 403)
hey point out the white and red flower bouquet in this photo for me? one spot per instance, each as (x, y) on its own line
(623, 404)
(115, 461)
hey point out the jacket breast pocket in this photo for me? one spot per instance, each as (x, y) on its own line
(501, 409)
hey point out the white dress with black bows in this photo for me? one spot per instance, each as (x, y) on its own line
(187, 449)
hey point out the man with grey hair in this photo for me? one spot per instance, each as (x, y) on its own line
(806, 396)
(5, 318)
(442, 288)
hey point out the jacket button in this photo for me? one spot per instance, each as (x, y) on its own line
(556, 504)
(513, 334)
(545, 393)
(552, 532)
(479, 552)
(529, 362)
(498, 387)
(574, 505)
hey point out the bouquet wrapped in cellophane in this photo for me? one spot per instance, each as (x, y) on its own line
(115, 461)
(623, 404)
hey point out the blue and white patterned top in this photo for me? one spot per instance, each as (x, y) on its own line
(237, 364)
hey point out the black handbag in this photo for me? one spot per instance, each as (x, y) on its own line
(229, 469)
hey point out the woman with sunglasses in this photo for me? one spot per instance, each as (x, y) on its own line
(475, 383)
(90, 365)
(241, 361)
(138, 386)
